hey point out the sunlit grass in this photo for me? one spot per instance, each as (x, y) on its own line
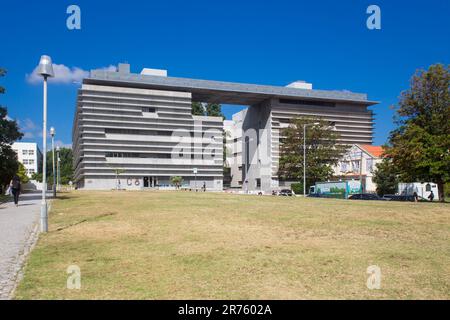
(181, 245)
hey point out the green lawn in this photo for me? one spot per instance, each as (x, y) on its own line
(181, 245)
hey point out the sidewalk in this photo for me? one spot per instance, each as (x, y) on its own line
(19, 228)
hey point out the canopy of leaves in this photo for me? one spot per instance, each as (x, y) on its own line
(211, 109)
(420, 146)
(322, 151)
(386, 177)
(65, 165)
(9, 132)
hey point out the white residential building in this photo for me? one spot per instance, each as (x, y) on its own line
(29, 155)
(360, 162)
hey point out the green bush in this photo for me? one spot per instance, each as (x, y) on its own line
(297, 187)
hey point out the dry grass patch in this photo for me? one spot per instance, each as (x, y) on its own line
(178, 245)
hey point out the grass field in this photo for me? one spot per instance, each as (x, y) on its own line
(180, 245)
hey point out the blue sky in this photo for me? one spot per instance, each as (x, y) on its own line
(266, 42)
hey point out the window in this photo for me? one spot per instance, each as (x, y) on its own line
(30, 161)
(343, 166)
(149, 109)
(428, 187)
(369, 164)
(258, 183)
(31, 152)
(24, 152)
(25, 161)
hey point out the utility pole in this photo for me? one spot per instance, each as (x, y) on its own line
(360, 172)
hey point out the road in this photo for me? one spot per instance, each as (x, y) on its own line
(18, 233)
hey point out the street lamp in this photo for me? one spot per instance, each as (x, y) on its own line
(52, 133)
(45, 69)
(58, 168)
(304, 154)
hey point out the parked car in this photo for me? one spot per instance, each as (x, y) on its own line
(365, 196)
(286, 193)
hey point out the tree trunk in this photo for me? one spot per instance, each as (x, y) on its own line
(441, 192)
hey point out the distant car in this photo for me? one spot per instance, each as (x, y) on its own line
(364, 196)
(286, 193)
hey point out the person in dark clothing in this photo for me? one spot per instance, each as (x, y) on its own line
(204, 186)
(431, 196)
(15, 189)
(416, 197)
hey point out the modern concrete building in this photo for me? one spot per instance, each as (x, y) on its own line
(127, 121)
(130, 135)
(29, 155)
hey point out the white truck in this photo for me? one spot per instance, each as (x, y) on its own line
(423, 189)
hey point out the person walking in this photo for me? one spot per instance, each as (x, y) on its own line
(204, 186)
(431, 196)
(15, 189)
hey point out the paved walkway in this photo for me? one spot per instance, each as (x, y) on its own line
(19, 227)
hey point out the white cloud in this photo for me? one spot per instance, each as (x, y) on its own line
(64, 74)
(29, 129)
(61, 144)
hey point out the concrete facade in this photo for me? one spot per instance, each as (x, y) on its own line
(127, 121)
(133, 138)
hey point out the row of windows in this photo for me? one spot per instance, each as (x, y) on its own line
(146, 155)
(30, 171)
(25, 152)
(28, 161)
(149, 109)
(138, 132)
(137, 155)
(308, 102)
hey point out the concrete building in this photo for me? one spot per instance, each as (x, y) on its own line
(360, 162)
(130, 136)
(124, 119)
(29, 155)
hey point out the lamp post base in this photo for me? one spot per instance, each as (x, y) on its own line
(44, 220)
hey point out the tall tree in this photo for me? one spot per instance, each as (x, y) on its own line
(9, 132)
(322, 151)
(65, 165)
(386, 177)
(214, 110)
(420, 146)
(197, 109)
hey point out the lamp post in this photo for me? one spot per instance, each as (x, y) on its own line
(45, 69)
(58, 168)
(52, 133)
(304, 154)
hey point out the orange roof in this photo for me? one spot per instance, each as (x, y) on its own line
(375, 151)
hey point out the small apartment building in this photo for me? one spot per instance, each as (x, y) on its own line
(360, 161)
(29, 155)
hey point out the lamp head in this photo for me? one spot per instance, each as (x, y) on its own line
(57, 148)
(52, 131)
(45, 67)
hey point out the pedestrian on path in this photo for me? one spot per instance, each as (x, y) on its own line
(15, 189)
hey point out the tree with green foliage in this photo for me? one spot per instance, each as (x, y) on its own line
(177, 181)
(420, 146)
(9, 132)
(322, 151)
(197, 109)
(65, 165)
(386, 177)
(22, 173)
(214, 110)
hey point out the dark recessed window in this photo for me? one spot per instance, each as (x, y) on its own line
(308, 103)
(149, 109)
